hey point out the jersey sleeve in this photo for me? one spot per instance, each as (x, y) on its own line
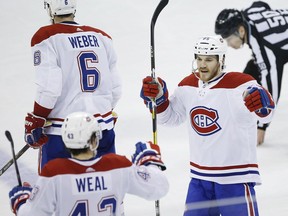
(116, 78)
(48, 75)
(42, 200)
(148, 182)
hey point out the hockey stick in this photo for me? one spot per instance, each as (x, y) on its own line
(19, 154)
(9, 137)
(157, 11)
(10, 162)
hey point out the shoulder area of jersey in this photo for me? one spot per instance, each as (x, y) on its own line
(61, 166)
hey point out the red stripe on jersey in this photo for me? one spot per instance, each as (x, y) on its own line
(104, 115)
(249, 200)
(223, 168)
(95, 115)
(61, 166)
(47, 31)
(233, 80)
(229, 80)
(40, 110)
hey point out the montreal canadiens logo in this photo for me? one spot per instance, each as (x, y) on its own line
(204, 120)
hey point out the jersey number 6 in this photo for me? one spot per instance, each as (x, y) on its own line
(89, 74)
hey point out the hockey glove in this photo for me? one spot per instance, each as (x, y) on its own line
(34, 134)
(154, 89)
(259, 100)
(18, 196)
(147, 154)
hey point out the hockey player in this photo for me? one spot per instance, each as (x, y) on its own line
(222, 110)
(265, 32)
(75, 71)
(86, 185)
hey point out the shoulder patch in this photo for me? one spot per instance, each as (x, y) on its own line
(37, 58)
(143, 173)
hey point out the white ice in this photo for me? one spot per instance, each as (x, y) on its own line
(128, 22)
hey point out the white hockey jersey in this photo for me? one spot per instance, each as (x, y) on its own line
(75, 71)
(93, 187)
(222, 131)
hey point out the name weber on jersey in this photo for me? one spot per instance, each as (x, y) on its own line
(83, 41)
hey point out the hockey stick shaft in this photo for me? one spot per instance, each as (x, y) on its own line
(20, 153)
(10, 162)
(157, 11)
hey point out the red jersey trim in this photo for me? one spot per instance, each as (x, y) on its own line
(40, 110)
(229, 80)
(47, 31)
(223, 168)
(190, 80)
(95, 115)
(62, 166)
(233, 80)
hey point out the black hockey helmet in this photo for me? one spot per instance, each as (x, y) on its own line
(227, 22)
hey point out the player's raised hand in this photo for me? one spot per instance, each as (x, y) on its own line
(147, 153)
(19, 195)
(154, 89)
(34, 134)
(257, 99)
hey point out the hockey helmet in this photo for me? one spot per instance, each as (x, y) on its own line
(211, 45)
(228, 21)
(60, 7)
(78, 128)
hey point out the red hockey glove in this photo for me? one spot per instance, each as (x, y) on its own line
(34, 134)
(259, 100)
(154, 89)
(146, 154)
(19, 195)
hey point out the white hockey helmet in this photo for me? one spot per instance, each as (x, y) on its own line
(78, 128)
(211, 45)
(60, 7)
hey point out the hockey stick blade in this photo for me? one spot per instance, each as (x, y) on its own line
(9, 137)
(156, 13)
(10, 162)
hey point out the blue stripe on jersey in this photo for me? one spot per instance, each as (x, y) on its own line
(224, 174)
(99, 121)
(106, 121)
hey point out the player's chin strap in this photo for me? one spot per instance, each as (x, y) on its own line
(194, 68)
(94, 150)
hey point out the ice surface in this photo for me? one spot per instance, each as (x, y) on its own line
(128, 22)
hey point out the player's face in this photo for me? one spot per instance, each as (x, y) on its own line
(234, 41)
(208, 67)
